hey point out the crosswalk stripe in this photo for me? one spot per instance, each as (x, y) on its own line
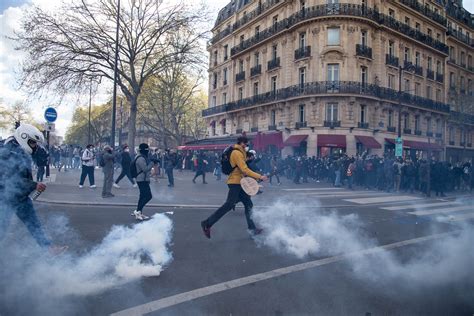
(418, 206)
(396, 198)
(443, 210)
(461, 217)
(312, 189)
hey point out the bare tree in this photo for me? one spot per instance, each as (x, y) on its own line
(17, 112)
(171, 104)
(77, 43)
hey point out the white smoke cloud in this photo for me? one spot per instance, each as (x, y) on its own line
(302, 230)
(126, 254)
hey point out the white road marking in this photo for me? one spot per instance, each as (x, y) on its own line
(312, 189)
(443, 210)
(348, 193)
(396, 198)
(418, 206)
(169, 301)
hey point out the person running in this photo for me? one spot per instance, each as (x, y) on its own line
(16, 184)
(144, 167)
(107, 165)
(201, 168)
(125, 162)
(88, 167)
(236, 193)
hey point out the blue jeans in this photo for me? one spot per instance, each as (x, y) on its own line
(337, 183)
(25, 211)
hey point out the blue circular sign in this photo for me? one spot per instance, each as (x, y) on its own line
(50, 115)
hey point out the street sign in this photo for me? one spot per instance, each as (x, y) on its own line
(50, 115)
(398, 147)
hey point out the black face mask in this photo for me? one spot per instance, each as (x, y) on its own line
(144, 152)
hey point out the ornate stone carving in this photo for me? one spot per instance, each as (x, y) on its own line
(315, 30)
(351, 29)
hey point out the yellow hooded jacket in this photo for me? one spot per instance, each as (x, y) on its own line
(238, 162)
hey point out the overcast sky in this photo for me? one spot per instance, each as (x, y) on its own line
(10, 16)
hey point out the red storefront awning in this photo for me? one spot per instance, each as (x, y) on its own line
(263, 140)
(295, 140)
(417, 145)
(204, 147)
(338, 141)
(368, 141)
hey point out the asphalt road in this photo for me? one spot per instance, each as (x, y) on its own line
(335, 287)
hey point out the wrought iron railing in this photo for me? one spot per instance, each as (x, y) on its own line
(407, 131)
(254, 129)
(460, 36)
(391, 129)
(272, 127)
(418, 70)
(430, 74)
(347, 9)
(256, 70)
(459, 14)
(330, 87)
(240, 76)
(274, 63)
(439, 135)
(332, 124)
(300, 124)
(414, 4)
(364, 125)
(439, 77)
(303, 52)
(391, 60)
(429, 134)
(363, 51)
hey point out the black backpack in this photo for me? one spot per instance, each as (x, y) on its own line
(133, 167)
(225, 161)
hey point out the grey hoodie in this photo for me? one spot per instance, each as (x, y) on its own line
(143, 169)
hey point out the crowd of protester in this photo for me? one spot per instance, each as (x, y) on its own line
(371, 172)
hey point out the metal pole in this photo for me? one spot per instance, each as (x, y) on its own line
(90, 105)
(399, 101)
(49, 154)
(121, 124)
(114, 97)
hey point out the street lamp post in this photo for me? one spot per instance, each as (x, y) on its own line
(114, 97)
(90, 105)
(408, 67)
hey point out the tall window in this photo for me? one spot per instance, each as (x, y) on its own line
(391, 13)
(407, 86)
(417, 59)
(463, 59)
(275, 21)
(428, 92)
(256, 59)
(274, 52)
(215, 57)
(301, 114)
(302, 5)
(273, 118)
(439, 67)
(214, 81)
(214, 101)
(257, 30)
(363, 75)
(391, 81)
(302, 40)
(241, 93)
(406, 121)
(224, 98)
(331, 112)
(452, 80)
(333, 36)
(452, 53)
(274, 84)
(302, 76)
(407, 56)
(417, 89)
(363, 37)
(428, 125)
(430, 32)
(255, 88)
(333, 72)
(439, 126)
(451, 134)
(430, 64)
(463, 87)
(407, 21)
(241, 65)
(417, 123)
(391, 48)
(438, 96)
(390, 118)
(224, 75)
(242, 37)
(362, 113)
(418, 27)
(226, 52)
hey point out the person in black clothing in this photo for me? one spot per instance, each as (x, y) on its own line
(201, 168)
(41, 160)
(170, 160)
(126, 160)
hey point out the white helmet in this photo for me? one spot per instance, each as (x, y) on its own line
(252, 152)
(26, 132)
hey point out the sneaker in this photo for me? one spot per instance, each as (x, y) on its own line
(135, 185)
(116, 186)
(93, 186)
(80, 186)
(138, 215)
(206, 230)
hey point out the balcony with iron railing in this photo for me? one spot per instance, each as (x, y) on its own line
(340, 9)
(299, 125)
(363, 51)
(303, 52)
(332, 124)
(331, 88)
(256, 70)
(391, 60)
(254, 129)
(391, 129)
(240, 76)
(363, 125)
(418, 132)
(273, 64)
(430, 74)
(272, 127)
(439, 77)
(459, 14)
(439, 135)
(460, 36)
(407, 131)
(418, 70)
(414, 4)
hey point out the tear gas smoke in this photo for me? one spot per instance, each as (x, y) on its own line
(303, 230)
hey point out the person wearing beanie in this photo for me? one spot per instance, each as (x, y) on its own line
(143, 167)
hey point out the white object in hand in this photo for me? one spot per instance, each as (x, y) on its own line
(249, 185)
(35, 195)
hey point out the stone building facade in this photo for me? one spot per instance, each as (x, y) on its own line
(325, 76)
